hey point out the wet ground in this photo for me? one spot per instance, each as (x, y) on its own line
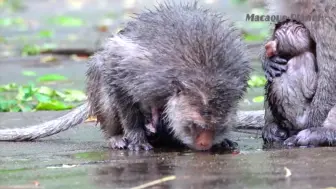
(79, 158)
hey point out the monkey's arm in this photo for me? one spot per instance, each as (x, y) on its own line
(324, 98)
(308, 73)
(273, 66)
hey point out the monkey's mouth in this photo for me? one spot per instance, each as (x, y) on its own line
(204, 139)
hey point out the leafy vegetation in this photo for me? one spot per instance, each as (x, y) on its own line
(256, 81)
(6, 22)
(31, 50)
(11, 5)
(67, 21)
(21, 98)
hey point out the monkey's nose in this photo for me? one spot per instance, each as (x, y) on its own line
(204, 145)
(204, 140)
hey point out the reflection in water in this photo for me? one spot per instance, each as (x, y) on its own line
(201, 170)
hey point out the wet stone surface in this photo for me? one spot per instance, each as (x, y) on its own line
(79, 158)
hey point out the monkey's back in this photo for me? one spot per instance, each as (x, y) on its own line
(180, 42)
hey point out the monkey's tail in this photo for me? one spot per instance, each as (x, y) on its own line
(254, 120)
(71, 119)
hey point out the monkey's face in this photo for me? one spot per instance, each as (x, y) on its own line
(193, 121)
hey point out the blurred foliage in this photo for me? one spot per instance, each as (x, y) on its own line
(16, 21)
(52, 77)
(257, 81)
(238, 2)
(21, 98)
(258, 99)
(46, 34)
(32, 49)
(11, 5)
(66, 21)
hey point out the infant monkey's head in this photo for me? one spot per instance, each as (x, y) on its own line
(290, 38)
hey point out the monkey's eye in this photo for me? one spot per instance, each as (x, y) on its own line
(187, 129)
(206, 112)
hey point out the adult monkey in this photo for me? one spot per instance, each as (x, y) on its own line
(323, 32)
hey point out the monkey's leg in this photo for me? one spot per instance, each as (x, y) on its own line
(272, 132)
(132, 121)
(317, 136)
(111, 126)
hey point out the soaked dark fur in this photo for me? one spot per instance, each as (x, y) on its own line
(323, 32)
(288, 97)
(176, 58)
(188, 61)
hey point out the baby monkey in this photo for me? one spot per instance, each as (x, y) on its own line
(288, 97)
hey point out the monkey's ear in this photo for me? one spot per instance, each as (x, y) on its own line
(178, 86)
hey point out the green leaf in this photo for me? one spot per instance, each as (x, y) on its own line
(250, 37)
(25, 93)
(67, 21)
(29, 73)
(6, 105)
(42, 98)
(60, 94)
(52, 77)
(5, 22)
(15, 109)
(26, 108)
(31, 50)
(52, 105)
(46, 91)
(258, 99)
(48, 46)
(238, 2)
(8, 87)
(257, 81)
(74, 95)
(46, 33)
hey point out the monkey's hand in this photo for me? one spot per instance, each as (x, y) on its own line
(317, 136)
(273, 133)
(225, 146)
(274, 67)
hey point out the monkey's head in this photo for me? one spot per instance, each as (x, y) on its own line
(291, 38)
(197, 118)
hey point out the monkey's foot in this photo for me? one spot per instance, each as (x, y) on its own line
(312, 137)
(136, 146)
(118, 142)
(137, 140)
(272, 133)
